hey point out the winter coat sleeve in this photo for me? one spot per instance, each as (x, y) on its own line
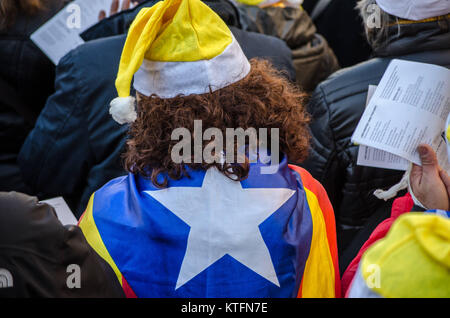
(323, 161)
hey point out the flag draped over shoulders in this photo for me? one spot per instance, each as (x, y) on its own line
(271, 235)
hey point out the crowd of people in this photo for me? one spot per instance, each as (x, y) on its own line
(98, 130)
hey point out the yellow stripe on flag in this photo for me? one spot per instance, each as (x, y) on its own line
(318, 278)
(90, 231)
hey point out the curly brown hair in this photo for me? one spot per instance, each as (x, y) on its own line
(263, 99)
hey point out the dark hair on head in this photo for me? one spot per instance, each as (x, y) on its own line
(10, 9)
(263, 99)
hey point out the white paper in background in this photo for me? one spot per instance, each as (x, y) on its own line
(56, 38)
(372, 157)
(63, 212)
(409, 107)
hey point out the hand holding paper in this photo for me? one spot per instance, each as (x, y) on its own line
(426, 182)
(409, 107)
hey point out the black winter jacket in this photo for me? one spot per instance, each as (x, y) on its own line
(336, 107)
(26, 81)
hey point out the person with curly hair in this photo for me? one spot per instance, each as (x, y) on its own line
(230, 218)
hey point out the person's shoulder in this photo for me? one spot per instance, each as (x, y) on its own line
(354, 80)
(262, 42)
(116, 186)
(23, 216)
(87, 74)
(307, 179)
(103, 43)
(95, 52)
(115, 193)
(15, 204)
(257, 45)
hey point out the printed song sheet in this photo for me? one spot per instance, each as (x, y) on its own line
(373, 157)
(409, 107)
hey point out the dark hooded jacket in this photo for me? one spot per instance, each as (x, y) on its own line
(76, 147)
(39, 257)
(336, 108)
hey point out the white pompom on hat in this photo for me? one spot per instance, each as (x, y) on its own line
(415, 9)
(123, 110)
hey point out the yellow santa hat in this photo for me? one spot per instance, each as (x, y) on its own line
(176, 47)
(412, 261)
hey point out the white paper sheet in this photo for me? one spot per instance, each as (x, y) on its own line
(372, 157)
(61, 34)
(409, 107)
(63, 212)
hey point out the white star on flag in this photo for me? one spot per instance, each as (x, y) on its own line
(224, 219)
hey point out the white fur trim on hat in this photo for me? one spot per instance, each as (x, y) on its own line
(123, 110)
(170, 79)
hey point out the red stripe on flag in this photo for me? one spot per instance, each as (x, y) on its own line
(328, 214)
(129, 293)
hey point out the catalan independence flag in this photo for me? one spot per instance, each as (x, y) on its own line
(271, 235)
